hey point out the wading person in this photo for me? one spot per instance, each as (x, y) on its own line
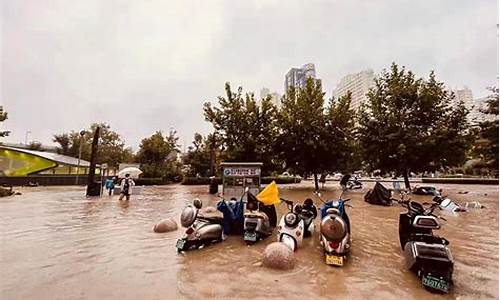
(126, 187)
(110, 185)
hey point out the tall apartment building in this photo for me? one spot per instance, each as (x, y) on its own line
(275, 97)
(358, 84)
(465, 95)
(297, 77)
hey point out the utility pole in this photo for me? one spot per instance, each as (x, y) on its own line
(82, 133)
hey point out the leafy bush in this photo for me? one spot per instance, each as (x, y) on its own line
(264, 180)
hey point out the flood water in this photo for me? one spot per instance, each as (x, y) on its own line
(57, 244)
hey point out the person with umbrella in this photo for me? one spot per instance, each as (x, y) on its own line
(126, 186)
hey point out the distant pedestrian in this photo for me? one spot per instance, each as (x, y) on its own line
(110, 185)
(126, 187)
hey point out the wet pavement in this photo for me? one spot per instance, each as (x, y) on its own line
(57, 244)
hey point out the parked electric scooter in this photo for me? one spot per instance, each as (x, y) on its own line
(256, 225)
(445, 203)
(335, 230)
(350, 182)
(297, 223)
(426, 254)
(201, 230)
(354, 184)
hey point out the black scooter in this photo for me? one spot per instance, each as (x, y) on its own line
(426, 254)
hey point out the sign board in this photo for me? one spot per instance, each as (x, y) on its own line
(242, 171)
(236, 176)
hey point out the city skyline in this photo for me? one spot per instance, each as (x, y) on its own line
(143, 68)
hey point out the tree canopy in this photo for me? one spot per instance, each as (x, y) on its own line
(313, 138)
(246, 129)
(198, 156)
(157, 155)
(111, 148)
(487, 139)
(408, 124)
(3, 117)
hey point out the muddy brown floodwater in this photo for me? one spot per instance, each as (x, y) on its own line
(56, 244)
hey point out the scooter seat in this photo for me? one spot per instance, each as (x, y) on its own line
(429, 238)
(214, 220)
(255, 214)
(435, 251)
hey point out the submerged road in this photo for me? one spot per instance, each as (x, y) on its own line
(57, 244)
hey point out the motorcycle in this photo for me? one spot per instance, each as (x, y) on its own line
(297, 223)
(201, 230)
(426, 254)
(256, 222)
(350, 182)
(335, 230)
(354, 184)
(447, 204)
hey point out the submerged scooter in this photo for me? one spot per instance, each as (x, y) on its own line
(201, 230)
(426, 254)
(256, 225)
(335, 230)
(297, 223)
(350, 182)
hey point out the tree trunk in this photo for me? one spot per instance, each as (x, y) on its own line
(407, 180)
(316, 186)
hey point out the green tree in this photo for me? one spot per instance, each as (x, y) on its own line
(35, 145)
(3, 117)
(111, 150)
(487, 140)
(408, 124)
(304, 130)
(157, 155)
(340, 135)
(198, 156)
(246, 129)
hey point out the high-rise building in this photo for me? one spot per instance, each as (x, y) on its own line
(358, 84)
(275, 97)
(297, 77)
(264, 92)
(463, 94)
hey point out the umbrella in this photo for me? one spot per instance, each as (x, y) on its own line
(133, 171)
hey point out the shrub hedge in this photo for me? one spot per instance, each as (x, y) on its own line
(264, 180)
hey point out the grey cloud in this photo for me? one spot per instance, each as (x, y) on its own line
(146, 66)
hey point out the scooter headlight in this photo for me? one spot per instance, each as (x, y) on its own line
(291, 219)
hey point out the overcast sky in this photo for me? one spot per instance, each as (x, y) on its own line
(143, 66)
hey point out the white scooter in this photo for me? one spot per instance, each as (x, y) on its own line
(296, 224)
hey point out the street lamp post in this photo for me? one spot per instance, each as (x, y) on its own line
(82, 133)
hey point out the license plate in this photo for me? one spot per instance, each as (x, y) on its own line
(435, 283)
(334, 260)
(250, 236)
(180, 244)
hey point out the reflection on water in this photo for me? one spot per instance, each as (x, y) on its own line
(58, 244)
